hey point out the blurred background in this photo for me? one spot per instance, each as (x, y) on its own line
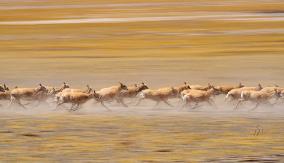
(161, 42)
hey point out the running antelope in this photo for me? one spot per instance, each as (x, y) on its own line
(224, 89)
(76, 99)
(259, 97)
(37, 94)
(200, 87)
(162, 94)
(197, 96)
(111, 93)
(235, 94)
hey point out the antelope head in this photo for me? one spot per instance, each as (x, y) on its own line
(259, 86)
(174, 91)
(96, 96)
(6, 88)
(122, 86)
(41, 88)
(240, 85)
(65, 85)
(187, 86)
(2, 89)
(89, 89)
(142, 87)
(277, 93)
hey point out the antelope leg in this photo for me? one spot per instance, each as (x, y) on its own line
(59, 104)
(269, 103)
(72, 106)
(187, 103)
(256, 106)
(238, 104)
(157, 103)
(12, 100)
(212, 103)
(102, 103)
(122, 102)
(19, 103)
(75, 107)
(195, 106)
(166, 102)
(139, 101)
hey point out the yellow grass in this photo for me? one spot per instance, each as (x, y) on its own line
(141, 39)
(160, 53)
(138, 138)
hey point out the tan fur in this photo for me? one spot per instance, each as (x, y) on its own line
(282, 93)
(26, 93)
(200, 87)
(133, 90)
(224, 89)
(272, 89)
(179, 89)
(76, 98)
(55, 90)
(197, 95)
(162, 94)
(236, 93)
(253, 95)
(261, 96)
(110, 93)
(5, 95)
(87, 90)
(36, 94)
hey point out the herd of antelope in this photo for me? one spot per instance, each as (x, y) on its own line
(190, 95)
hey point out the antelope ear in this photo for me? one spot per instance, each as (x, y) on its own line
(40, 84)
(143, 83)
(135, 85)
(185, 83)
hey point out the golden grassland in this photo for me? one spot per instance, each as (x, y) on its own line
(221, 50)
(184, 38)
(164, 138)
(224, 48)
